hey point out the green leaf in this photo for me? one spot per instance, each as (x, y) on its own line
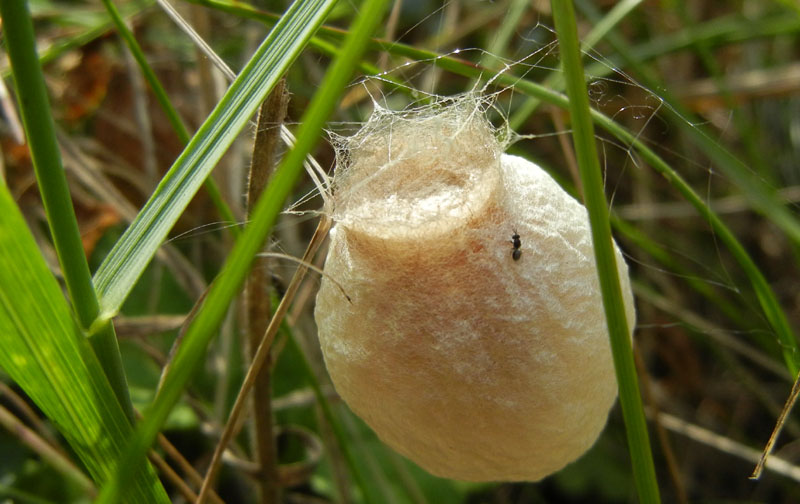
(53, 187)
(45, 353)
(596, 205)
(132, 253)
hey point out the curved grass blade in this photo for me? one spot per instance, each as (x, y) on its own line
(45, 353)
(132, 253)
(52, 182)
(597, 207)
(757, 191)
(716, 32)
(227, 285)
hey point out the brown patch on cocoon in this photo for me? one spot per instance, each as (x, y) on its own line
(474, 365)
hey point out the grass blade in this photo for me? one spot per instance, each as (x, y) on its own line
(227, 284)
(52, 181)
(45, 353)
(756, 191)
(591, 177)
(132, 253)
(760, 194)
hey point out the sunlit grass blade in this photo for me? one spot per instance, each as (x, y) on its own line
(52, 182)
(227, 284)
(46, 354)
(125, 263)
(597, 207)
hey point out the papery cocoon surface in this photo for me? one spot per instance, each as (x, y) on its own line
(474, 365)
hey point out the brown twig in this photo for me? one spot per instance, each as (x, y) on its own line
(183, 464)
(29, 415)
(51, 455)
(790, 401)
(170, 475)
(260, 357)
(257, 299)
(186, 467)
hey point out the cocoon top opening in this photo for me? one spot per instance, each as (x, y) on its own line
(418, 171)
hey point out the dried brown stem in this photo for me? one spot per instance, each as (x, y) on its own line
(183, 464)
(186, 467)
(29, 415)
(260, 357)
(170, 475)
(51, 455)
(257, 299)
(787, 408)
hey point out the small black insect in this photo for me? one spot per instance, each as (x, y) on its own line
(516, 253)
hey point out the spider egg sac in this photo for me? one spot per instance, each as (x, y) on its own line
(476, 362)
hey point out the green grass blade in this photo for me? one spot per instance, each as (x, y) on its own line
(166, 105)
(714, 33)
(498, 45)
(766, 296)
(227, 284)
(734, 311)
(132, 253)
(52, 181)
(719, 31)
(753, 187)
(761, 195)
(44, 351)
(147, 72)
(594, 196)
(608, 22)
(556, 80)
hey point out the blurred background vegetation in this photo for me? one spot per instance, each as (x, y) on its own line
(709, 361)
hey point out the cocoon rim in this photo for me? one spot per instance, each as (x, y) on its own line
(475, 365)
